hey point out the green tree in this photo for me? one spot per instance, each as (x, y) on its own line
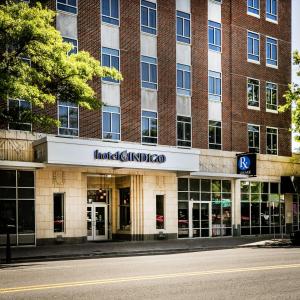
(35, 65)
(292, 97)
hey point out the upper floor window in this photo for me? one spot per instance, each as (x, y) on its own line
(111, 126)
(149, 127)
(183, 80)
(215, 135)
(214, 36)
(19, 110)
(253, 46)
(272, 10)
(148, 17)
(271, 96)
(272, 140)
(272, 51)
(183, 27)
(253, 138)
(110, 11)
(253, 92)
(69, 6)
(253, 7)
(184, 134)
(68, 116)
(111, 59)
(74, 43)
(214, 86)
(149, 72)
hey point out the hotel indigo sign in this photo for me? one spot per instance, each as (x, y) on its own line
(125, 156)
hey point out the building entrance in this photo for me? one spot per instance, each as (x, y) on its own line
(97, 228)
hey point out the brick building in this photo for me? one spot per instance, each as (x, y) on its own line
(203, 80)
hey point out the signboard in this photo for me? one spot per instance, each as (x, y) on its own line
(246, 164)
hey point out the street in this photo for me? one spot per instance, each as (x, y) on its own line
(251, 273)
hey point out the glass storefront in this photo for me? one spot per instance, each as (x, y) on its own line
(204, 207)
(296, 212)
(262, 209)
(17, 207)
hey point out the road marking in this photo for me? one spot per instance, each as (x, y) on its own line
(142, 278)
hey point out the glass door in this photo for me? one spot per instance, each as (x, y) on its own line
(201, 222)
(97, 222)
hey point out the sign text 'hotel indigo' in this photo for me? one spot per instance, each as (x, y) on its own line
(125, 156)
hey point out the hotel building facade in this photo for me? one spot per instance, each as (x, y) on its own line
(203, 80)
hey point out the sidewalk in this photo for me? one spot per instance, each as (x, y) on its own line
(126, 248)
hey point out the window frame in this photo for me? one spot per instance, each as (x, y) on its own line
(252, 106)
(67, 5)
(117, 23)
(109, 52)
(255, 147)
(183, 91)
(270, 16)
(63, 197)
(21, 123)
(184, 125)
(215, 136)
(147, 26)
(70, 40)
(164, 211)
(150, 61)
(213, 97)
(111, 113)
(268, 150)
(185, 17)
(270, 109)
(251, 9)
(274, 66)
(215, 26)
(251, 60)
(149, 123)
(58, 117)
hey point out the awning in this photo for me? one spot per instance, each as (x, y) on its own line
(290, 185)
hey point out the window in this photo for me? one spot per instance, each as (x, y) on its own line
(271, 95)
(214, 86)
(215, 135)
(271, 10)
(183, 27)
(183, 80)
(20, 111)
(271, 51)
(148, 17)
(184, 129)
(69, 6)
(149, 72)
(253, 138)
(149, 127)
(111, 59)
(58, 213)
(160, 212)
(272, 140)
(111, 123)
(68, 117)
(253, 92)
(253, 46)
(214, 36)
(253, 7)
(74, 43)
(110, 11)
(124, 206)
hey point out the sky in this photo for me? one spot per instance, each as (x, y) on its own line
(295, 33)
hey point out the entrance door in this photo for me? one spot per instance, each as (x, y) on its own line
(97, 222)
(201, 219)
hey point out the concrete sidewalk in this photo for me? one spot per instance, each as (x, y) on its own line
(126, 248)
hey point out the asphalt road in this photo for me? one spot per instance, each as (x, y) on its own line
(223, 274)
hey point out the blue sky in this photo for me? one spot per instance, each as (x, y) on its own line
(295, 32)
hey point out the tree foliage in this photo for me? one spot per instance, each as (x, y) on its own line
(292, 97)
(35, 65)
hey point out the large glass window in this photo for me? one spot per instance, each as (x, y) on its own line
(149, 72)
(17, 208)
(20, 110)
(68, 116)
(214, 86)
(271, 96)
(111, 59)
(69, 6)
(253, 138)
(184, 134)
(110, 11)
(296, 212)
(124, 206)
(214, 36)
(253, 92)
(262, 210)
(183, 27)
(160, 212)
(253, 7)
(149, 127)
(272, 10)
(148, 17)
(215, 135)
(272, 51)
(74, 44)
(183, 80)
(272, 141)
(253, 46)
(111, 123)
(58, 213)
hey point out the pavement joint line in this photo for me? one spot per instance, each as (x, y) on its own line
(141, 278)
